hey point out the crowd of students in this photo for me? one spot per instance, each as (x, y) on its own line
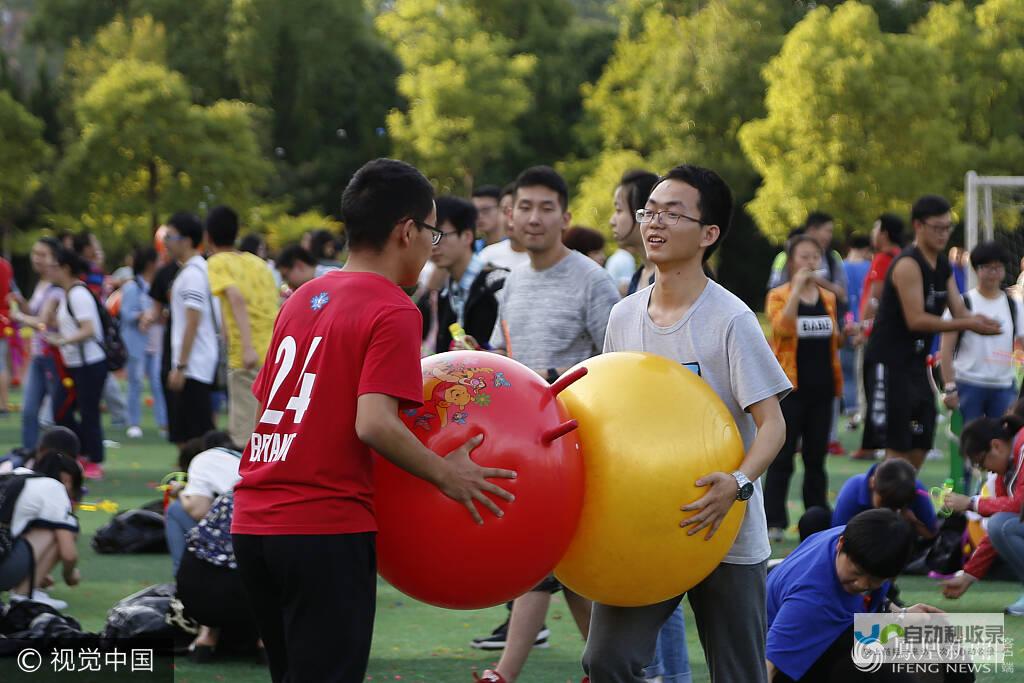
(205, 316)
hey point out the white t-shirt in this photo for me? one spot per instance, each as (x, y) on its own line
(84, 306)
(191, 289)
(988, 360)
(500, 254)
(212, 473)
(44, 502)
(621, 265)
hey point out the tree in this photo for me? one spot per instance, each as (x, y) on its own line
(328, 81)
(23, 154)
(858, 122)
(145, 151)
(465, 90)
(987, 79)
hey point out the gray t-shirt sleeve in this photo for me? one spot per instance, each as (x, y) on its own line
(755, 372)
(616, 321)
(602, 295)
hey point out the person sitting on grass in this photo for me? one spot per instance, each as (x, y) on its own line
(212, 464)
(890, 484)
(996, 446)
(209, 586)
(814, 594)
(42, 520)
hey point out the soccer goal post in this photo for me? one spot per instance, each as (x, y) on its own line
(994, 210)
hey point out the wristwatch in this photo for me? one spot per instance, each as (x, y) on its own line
(181, 366)
(744, 487)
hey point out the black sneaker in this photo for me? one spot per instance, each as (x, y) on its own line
(496, 641)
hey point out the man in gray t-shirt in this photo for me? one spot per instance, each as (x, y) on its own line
(552, 314)
(556, 317)
(686, 317)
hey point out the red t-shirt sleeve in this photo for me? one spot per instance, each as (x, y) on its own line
(391, 365)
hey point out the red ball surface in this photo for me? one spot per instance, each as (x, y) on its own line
(428, 546)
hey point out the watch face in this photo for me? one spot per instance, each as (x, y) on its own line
(746, 491)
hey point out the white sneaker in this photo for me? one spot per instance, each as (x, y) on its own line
(134, 432)
(934, 454)
(39, 595)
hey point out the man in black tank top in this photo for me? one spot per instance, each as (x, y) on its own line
(918, 288)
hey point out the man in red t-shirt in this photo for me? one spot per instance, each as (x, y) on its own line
(886, 238)
(344, 358)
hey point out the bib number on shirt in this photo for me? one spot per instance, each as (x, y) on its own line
(285, 359)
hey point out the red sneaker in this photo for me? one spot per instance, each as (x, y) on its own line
(586, 679)
(92, 470)
(489, 676)
(836, 448)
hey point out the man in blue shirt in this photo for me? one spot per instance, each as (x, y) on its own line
(815, 592)
(890, 484)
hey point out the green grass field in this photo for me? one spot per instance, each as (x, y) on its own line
(412, 641)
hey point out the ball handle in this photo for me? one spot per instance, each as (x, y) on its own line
(568, 378)
(557, 432)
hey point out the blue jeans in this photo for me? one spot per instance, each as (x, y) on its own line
(177, 523)
(978, 401)
(140, 367)
(851, 379)
(671, 658)
(41, 380)
(1006, 532)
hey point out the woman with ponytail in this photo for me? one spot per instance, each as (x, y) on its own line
(995, 445)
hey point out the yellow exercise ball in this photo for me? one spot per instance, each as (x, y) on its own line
(649, 429)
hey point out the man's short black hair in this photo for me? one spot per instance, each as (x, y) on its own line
(859, 240)
(714, 198)
(879, 541)
(816, 219)
(380, 194)
(583, 239)
(896, 483)
(188, 226)
(60, 440)
(989, 252)
(222, 226)
(892, 225)
(509, 189)
(492, 191)
(928, 206)
(457, 211)
(142, 258)
(293, 254)
(81, 241)
(251, 243)
(545, 176)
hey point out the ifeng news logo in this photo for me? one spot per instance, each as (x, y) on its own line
(931, 643)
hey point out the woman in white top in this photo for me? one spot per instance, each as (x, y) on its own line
(79, 337)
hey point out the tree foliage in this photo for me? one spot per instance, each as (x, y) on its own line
(858, 122)
(23, 153)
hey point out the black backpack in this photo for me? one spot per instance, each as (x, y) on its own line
(11, 486)
(113, 344)
(132, 531)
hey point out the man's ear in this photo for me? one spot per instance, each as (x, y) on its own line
(403, 231)
(711, 235)
(567, 220)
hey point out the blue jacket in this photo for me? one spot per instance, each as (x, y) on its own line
(134, 302)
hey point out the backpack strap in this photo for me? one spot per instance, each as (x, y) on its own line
(1013, 318)
(960, 334)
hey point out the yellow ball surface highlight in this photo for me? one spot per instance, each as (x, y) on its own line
(649, 429)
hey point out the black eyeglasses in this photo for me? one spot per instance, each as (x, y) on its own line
(668, 218)
(438, 235)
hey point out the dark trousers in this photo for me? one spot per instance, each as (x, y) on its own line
(314, 598)
(85, 419)
(808, 416)
(836, 666)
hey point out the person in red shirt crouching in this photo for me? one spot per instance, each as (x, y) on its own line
(996, 445)
(343, 359)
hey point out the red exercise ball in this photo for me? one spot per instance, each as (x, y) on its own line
(428, 546)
